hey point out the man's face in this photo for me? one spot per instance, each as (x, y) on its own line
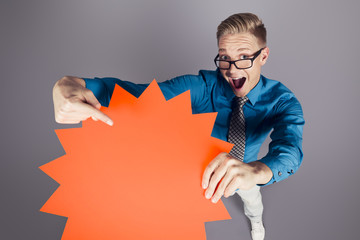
(237, 46)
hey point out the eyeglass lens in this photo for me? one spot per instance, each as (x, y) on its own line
(239, 64)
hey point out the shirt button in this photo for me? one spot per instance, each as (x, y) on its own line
(279, 173)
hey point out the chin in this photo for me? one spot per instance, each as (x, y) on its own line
(240, 93)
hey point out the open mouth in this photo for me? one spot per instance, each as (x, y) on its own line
(238, 82)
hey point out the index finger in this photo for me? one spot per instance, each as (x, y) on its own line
(93, 112)
(102, 117)
(209, 170)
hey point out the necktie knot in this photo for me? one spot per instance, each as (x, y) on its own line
(240, 101)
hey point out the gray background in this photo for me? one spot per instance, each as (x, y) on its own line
(314, 50)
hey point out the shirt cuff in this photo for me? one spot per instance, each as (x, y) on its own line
(280, 171)
(99, 89)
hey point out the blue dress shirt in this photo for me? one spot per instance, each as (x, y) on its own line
(271, 106)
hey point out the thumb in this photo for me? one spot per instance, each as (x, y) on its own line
(91, 99)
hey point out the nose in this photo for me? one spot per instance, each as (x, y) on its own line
(232, 70)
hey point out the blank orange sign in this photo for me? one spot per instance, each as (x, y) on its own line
(140, 178)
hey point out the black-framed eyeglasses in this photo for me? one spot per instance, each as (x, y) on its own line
(239, 64)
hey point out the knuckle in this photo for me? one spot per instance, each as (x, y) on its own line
(64, 109)
(223, 154)
(228, 163)
(217, 195)
(88, 92)
(61, 112)
(232, 170)
(233, 160)
(59, 115)
(228, 159)
(83, 118)
(212, 163)
(72, 100)
(58, 119)
(226, 156)
(216, 177)
(229, 190)
(207, 170)
(221, 186)
(238, 180)
(67, 105)
(227, 193)
(212, 186)
(62, 81)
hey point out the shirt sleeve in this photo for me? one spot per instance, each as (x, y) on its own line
(104, 87)
(285, 149)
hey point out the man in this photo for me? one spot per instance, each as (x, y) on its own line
(249, 106)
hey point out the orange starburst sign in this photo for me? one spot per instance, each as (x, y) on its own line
(140, 178)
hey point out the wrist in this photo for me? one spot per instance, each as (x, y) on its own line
(261, 171)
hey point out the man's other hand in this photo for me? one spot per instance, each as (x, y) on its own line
(225, 174)
(73, 102)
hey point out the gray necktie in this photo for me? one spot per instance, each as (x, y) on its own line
(237, 128)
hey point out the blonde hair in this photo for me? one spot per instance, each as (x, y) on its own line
(243, 23)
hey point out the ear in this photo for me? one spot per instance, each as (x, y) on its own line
(264, 55)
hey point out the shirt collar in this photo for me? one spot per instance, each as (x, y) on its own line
(253, 95)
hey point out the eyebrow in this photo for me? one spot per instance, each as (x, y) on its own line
(239, 49)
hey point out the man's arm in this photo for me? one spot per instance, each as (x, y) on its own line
(76, 99)
(225, 174)
(285, 149)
